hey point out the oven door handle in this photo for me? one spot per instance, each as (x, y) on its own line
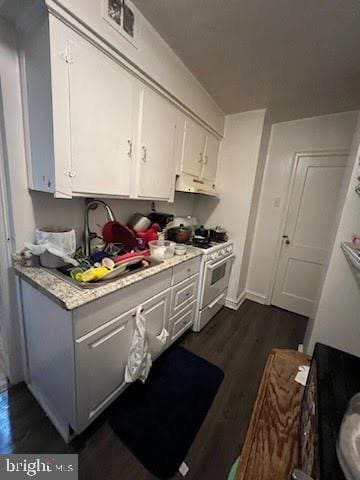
(224, 260)
(217, 300)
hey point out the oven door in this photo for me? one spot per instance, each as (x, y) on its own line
(216, 279)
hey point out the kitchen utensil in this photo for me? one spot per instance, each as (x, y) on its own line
(115, 232)
(180, 234)
(92, 274)
(218, 234)
(139, 222)
(163, 219)
(127, 256)
(202, 232)
(180, 249)
(115, 272)
(150, 235)
(162, 249)
(131, 261)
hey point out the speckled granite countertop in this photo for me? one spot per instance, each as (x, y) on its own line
(71, 297)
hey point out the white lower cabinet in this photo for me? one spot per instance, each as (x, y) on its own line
(101, 358)
(80, 369)
(156, 316)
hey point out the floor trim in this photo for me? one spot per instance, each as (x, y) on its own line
(236, 304)
(256, 297)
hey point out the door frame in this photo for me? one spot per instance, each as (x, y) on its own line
(285, 210)
(5, 250)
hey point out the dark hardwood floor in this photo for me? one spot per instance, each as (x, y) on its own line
(237, 341)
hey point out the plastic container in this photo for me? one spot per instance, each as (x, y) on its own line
(180, 249)
(162, 249)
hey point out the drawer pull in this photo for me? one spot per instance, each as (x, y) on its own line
(188, 270)
(134, 313)
(107, 337)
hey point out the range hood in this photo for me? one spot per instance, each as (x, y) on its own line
(187, 183)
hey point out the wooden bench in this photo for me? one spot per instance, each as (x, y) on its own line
(272, 449)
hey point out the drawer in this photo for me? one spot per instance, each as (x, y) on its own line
(183, 294)
(183, 321)
(210, 311)
(97, 313)
(185, 270)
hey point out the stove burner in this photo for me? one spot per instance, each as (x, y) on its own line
(200, 244)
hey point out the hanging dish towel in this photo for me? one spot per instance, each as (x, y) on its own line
(158, 343)
(139, 359)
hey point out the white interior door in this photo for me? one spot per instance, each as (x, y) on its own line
(308, 231)
(156, 147)
(193, 151)
(101, 122)
(210, 158)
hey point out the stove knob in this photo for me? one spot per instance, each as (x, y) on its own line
(223, 251)
(229, 249)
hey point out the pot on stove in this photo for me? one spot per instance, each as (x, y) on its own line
(218, 234)
(180, 234)
(202, 233)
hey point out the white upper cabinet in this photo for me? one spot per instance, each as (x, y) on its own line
(193, 149)
(196, 150)
(210, 158)
(94, 129)
(100, 105)
(156, 166)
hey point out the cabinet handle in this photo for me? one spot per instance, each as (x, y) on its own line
(144, 153)
(201, 158)
(107, 337)
(130, 148)
(134, 313)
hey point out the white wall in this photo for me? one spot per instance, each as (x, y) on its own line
(238, 160)
(326, 133)
(337, 319)
(154, 57)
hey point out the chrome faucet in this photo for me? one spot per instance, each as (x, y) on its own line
(92, 205)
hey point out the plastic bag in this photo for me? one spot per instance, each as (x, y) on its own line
(139, 359)
(59, 243)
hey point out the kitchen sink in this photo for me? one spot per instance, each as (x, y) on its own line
(91, 285)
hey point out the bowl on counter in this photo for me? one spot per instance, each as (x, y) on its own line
(162, 249)
(180, 249)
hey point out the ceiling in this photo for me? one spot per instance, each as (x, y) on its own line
(297, 57)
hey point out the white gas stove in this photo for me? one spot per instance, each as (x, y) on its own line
(215, 270)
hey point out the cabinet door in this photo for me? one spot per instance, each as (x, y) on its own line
(193, 150)
(210, 158)
(156, 147)
(100, 112)
(156, 315)
(101, 358)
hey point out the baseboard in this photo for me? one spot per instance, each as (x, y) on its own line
(235, 304)
(256, 297)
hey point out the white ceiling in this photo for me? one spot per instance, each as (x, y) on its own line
(298, 57)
